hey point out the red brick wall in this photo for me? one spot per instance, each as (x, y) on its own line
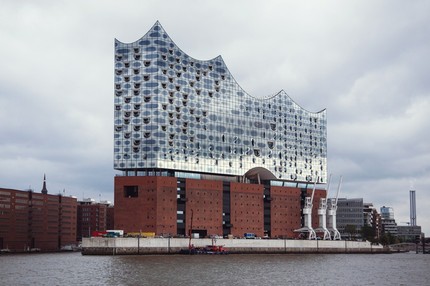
(91, 217)
(110, 219)
(68, 220)
(14, 219)
(34, 220)
(285, 211)
(45, 221)
(166, 206)
(205, 199)
(154, 210)
(247, 209)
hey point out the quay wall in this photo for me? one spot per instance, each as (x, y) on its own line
(118, 246)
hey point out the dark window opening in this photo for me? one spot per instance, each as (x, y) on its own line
(131, 191)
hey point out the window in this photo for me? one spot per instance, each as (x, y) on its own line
(131, 191)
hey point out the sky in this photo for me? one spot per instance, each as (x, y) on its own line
(366, 62)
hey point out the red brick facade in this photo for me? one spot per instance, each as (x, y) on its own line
(110, 222)
(204, 198)
(285, 211)
(91, 217)
(31, 220)
(151, 209)
(68, 217)
(150, 204)
(246, 203)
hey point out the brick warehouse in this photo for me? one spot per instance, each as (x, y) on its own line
(161, 204)
(194, 148)
(30, 220)
(93, 216)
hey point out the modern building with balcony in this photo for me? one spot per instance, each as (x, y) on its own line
(195, 150)
(388, 223)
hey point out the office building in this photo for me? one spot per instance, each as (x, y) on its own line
(387, 212)
(350, 216)
(191, 143)
(388, 223)
(408, 233)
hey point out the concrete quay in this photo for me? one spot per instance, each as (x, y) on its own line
(142, 246)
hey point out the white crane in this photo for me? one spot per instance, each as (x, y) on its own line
(307, 215)
(322, 212)
(331, 214)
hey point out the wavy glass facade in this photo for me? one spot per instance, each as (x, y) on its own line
(174, 112)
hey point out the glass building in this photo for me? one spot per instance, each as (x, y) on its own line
(174, 113)
(387, 212)
(350, 212)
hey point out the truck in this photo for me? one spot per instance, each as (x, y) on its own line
(98, 233)
(249, 235)
(114, 233)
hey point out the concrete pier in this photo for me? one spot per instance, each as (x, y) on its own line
(121, 246)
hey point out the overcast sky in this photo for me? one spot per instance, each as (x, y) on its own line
(366, 62)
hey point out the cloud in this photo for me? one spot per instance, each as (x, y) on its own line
(366, 62)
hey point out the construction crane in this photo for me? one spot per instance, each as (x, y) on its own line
(331, 214)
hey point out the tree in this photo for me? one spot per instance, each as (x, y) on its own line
(351, 229)
(368, 233)
(387, 238)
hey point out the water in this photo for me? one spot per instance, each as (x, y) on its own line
(282, 269)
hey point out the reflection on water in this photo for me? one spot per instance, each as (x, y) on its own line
(286, 269)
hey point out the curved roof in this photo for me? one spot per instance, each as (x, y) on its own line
(158, 29)
(260, 173)
(179, 113)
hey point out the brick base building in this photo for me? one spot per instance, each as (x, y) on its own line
(173, 206)
(30, 220)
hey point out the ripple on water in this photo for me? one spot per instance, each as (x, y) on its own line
(291, 269)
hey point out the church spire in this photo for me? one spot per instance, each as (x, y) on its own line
(44, 190)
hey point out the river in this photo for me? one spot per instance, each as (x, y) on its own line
(282, 269)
